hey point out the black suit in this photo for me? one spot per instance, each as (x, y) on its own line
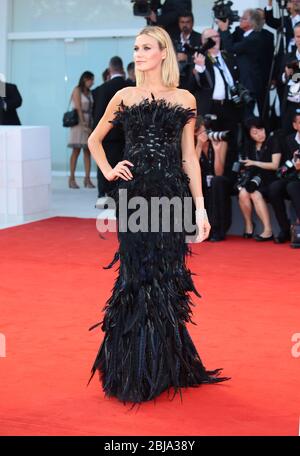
(275, 23)
(130, 82)
(203, 84)
(11, 102)
(194, 39)
(186, 68)
(228, 114)
(170, 12)
(218, 194)
(248, 59)
(114, 142)
(266, 52)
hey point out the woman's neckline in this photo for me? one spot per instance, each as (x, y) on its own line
(152, 100)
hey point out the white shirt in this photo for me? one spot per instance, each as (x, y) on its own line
(219, 89)
(247, 33)
(117, 75)
(297, 138)
(184, 40)
(295, 19)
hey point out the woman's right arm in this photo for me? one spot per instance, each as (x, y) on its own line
(96, 147)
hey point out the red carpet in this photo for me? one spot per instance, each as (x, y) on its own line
(53, 289)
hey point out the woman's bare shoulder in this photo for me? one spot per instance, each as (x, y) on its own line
(185, 98)
(122, 96)
(126, 94)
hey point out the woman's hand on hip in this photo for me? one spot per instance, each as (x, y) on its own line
(120, 171)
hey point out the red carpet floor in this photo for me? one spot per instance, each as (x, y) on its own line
(53, 289)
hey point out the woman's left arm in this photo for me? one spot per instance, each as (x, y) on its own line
(271, 166)
(190, 160)
(191, 167)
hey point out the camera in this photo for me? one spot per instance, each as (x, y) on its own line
(222, 11)
(212, 134)
(143, 8)
(190, 50)
(240, 95)
(247, 177)
(218, 135)
(288, 169)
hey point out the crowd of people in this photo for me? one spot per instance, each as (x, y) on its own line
(244, 148)
(247, 139)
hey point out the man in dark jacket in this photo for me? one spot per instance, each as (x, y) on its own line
(186, 36)
(245, 44)
(267, 48)
(114, 142)
(170, 12)
(289, 22)
(184, 42)
(214, 74)
(10, 100)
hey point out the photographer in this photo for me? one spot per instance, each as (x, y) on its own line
(185, 43)
(288, 187)
(167, 16)
(216, 187)
(215, 73)
(290, 79)
(289, 22)
(255, 175)
(245, 43)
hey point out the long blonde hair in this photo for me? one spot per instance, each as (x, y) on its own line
(169, 66)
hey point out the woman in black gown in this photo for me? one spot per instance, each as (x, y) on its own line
(147, 348)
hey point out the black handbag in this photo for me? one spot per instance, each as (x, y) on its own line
(70, 118)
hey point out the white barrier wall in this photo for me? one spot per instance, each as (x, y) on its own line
(25, 172)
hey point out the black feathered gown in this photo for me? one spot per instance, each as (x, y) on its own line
(147, 348)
